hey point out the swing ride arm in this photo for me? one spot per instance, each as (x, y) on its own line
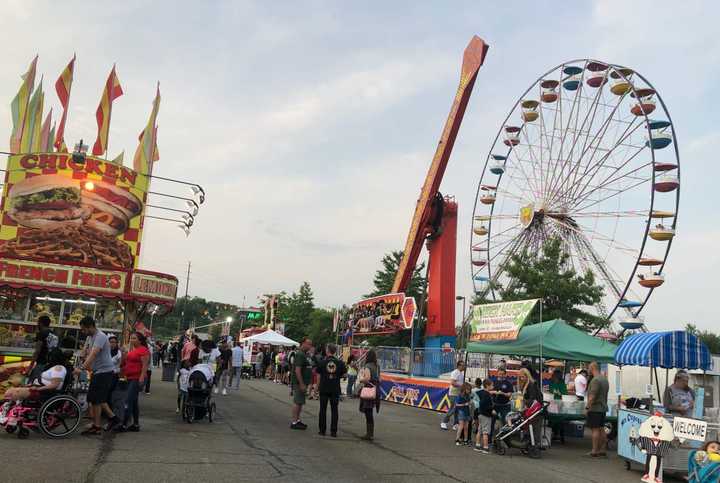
(422, 226)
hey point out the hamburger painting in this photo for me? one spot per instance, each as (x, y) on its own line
(94, 219)
(47, 202)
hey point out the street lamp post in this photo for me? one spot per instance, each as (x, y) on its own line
(152, 316)
(462, 324)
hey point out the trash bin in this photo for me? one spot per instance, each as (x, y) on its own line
(168, 372)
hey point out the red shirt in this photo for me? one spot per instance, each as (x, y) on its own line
(133, 362)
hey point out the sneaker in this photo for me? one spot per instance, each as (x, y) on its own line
(177, 410)
(455, 426)
(443, 426)
(458, 442)
(113, 423)
(298, 425)
(134, 428)
(334, 435)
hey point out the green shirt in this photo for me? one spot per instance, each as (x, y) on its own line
(558, 389)
(301, 361)
(598, 390)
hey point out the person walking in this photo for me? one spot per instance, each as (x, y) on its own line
(45, 340)
(237, 364)
(457, 379)
(352, 373)
(224, 362)
(136, 363)
(596, 407)
(301, 378)
(369, 378)
(331, 370)
(99, 361)
(148, 373)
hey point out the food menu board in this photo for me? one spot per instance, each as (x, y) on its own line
(57, 209)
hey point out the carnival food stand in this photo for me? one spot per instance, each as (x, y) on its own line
(665, 350)
(70, 238)
(557, 340)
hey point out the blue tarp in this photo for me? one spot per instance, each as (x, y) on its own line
(671, 350)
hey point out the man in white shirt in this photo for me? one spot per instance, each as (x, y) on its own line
(581, 385)
(237, 363)
(457, 379)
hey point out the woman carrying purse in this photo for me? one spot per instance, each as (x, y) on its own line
(369, 381)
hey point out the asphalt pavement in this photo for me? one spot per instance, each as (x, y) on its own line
(251, 441)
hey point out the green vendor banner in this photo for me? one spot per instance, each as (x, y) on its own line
(501, 321)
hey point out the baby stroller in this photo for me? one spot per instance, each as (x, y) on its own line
(519, 432)
(56, 414)
(198, 402)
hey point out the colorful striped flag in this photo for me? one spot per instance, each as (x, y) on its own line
(51, 137)
(44, 139)
(19, 106)
(34, 120)
(147, 152)
(119, 158)
(112, 91)
(63, 86)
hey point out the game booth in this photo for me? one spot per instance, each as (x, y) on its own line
(649, 436)
(70, 238)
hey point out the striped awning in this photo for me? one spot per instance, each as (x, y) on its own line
(672, 350)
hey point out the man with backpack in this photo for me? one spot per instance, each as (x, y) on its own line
(45, 341)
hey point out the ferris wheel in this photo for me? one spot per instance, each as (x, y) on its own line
(587, 155)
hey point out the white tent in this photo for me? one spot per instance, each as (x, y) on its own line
(270, 337)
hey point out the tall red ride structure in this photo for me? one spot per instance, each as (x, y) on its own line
(435, 218)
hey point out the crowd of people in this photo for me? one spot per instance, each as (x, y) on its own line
(481, 409)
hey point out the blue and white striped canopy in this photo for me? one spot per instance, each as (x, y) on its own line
(672, 350)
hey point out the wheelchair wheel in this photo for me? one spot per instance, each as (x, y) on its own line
(10, 429)
(60, 416)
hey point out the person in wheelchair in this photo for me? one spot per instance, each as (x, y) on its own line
(47, 384)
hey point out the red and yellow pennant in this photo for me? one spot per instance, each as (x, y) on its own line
(63, 86)
(112, 91)
(147, 152)
(19, 106)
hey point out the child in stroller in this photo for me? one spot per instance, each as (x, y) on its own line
(198, 403)
(520, 431)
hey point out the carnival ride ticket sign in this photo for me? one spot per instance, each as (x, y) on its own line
(501, 321)
(58, 210)
(384, 314)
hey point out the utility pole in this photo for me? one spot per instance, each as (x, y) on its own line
(182, 314)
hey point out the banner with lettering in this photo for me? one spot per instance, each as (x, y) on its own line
(85, 211)
(420, 393)
(501, 321)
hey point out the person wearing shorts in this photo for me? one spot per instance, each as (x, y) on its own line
(485, 417)
(596, 408)
(301, 378)
(99, 361)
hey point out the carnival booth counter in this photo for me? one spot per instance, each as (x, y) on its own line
(557, 340)
(665, 350)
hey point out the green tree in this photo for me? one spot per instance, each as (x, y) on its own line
(547, 275)
(295, 311)
(710, 339)
(320, 327)
(383, 284)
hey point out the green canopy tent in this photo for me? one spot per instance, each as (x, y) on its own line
(554, 339)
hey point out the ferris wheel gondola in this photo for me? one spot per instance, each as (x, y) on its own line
(589, 166)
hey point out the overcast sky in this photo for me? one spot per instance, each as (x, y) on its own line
(311, 125)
